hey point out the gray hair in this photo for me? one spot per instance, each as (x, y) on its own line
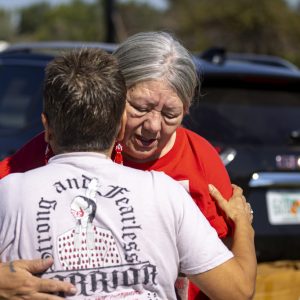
(157, 55)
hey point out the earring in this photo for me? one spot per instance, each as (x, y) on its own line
(118, 156)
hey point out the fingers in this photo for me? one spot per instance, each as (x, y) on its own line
(237, 191)
(34, 285)
(54, 286)
(34, 266)
(214, 192)
(237, 207)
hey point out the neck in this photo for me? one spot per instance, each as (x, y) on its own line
(57, 150)
(106, 154)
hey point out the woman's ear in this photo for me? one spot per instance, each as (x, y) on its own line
(46, 128)
(186, 110)
(121, 133)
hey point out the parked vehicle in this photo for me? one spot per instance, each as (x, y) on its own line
(21, 79)
(249, 108)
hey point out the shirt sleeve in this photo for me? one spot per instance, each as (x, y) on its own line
(216, 174)
(199, 247)
(10, 218)
(30, 156)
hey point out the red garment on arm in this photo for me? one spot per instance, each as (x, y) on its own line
(30, 156)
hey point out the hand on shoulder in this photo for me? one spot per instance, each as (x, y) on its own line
(237, 209)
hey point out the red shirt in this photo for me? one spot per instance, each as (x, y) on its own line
(194, 162)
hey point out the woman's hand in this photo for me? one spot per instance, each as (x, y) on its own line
(236, 208)
(17, 281)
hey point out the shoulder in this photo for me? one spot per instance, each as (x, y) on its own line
(11, 179)
(155, 180)
(17, 181)
(193, 136)
(143, 176)
(170, 188)
(195, 140)
(10, 189)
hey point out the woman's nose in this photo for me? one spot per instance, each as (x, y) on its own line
(153, 121)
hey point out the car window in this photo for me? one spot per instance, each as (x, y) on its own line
(20, 93)
(226, 115)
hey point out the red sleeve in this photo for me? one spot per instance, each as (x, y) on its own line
(217, 175)
(30, 156)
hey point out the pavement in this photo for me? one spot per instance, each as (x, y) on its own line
(278, 280)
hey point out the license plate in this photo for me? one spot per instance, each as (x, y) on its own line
(283, 207)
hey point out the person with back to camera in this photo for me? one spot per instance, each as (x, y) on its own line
(161, 79)
(84, 113)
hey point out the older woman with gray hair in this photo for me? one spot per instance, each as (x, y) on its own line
(161, 81)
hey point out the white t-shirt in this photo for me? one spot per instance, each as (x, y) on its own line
(113, 231)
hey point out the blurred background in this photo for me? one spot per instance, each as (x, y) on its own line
(250, 109)
(257, 26)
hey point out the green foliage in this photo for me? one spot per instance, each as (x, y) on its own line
(259, 26)
(74, 21)
(6, 26)
(80, 20)
(136, 17)
(32, 17)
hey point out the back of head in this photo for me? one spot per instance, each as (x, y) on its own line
(84, 99)
(158, 56)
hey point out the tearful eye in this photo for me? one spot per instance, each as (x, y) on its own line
(170, 116)
(143, 110)
(139, 109)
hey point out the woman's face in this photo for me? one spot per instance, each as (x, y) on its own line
(154, 111)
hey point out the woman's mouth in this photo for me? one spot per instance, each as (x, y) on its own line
(144, 142)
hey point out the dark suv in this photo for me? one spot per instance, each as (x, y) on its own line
(249, 109)
(21, 78)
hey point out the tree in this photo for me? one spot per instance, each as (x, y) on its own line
(259, 26)
(6, 26)
(132, 17)
(32, 17)
(75, 21)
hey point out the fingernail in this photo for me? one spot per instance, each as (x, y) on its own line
(73, 290)
(48, 259)
(211, 188)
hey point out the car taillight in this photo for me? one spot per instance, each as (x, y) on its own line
(287, 162)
